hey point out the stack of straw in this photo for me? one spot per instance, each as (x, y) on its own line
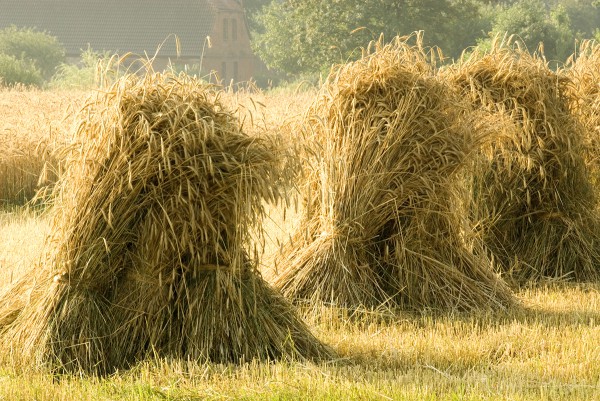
(583, 75)
(532, 197)
(148, 255)
(382, 225)
(24, 168)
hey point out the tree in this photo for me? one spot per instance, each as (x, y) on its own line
(253, 6)
(302, 37)
(307, 36)
(16, 71)
(584, 16)
(38, 48)
(533, 25)
(85, 74)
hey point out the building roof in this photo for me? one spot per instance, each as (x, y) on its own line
(120, 26)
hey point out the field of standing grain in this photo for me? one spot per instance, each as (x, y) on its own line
(546, 348)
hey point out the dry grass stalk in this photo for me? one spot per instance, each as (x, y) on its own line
(532, 197)
(31, 124)
(381, 225)
(24, 167)
(583, 75)
(148, 257)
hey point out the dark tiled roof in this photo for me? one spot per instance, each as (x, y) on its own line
(117, 25)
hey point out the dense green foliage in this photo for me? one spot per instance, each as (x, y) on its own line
(254, 6)
(304, 37)
(38, 49)
(532, 24)
(33, 58)
(309, 35)
(82, 76)
(17, 71)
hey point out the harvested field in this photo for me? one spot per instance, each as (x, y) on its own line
(544, 347)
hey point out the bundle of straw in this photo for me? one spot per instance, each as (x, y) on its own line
(151, 224)
(583, 77)
(381, 225)
(24, 168)
(532, 197)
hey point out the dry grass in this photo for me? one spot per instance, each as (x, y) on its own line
(547, 350)
(583, 74)
(280, 114)
(382, 224)
(32, 124)
(533, 200)
(150, 231)
(21, 241)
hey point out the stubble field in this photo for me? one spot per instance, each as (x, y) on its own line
(547, 347)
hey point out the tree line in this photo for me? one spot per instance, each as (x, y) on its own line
(303, 38)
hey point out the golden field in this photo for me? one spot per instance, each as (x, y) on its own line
(546, 348)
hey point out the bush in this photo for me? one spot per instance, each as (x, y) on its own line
(43, 50)
(14, 71)
(84, 76)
